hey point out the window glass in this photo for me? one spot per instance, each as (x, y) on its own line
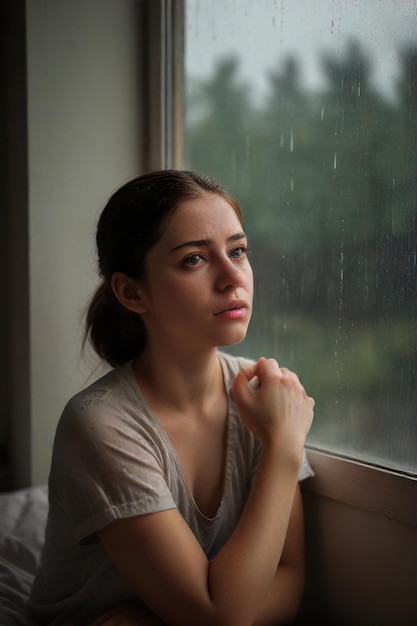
(307, 111)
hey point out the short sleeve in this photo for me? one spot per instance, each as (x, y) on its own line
(106, 466)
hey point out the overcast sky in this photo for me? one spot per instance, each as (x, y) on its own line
(264, 32)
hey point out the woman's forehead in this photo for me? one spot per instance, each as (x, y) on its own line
(210, 212)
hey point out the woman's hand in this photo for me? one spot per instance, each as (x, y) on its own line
(276, 408)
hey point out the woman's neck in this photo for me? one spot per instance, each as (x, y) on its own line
(179, 380)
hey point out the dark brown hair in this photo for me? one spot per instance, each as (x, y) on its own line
(130, 224)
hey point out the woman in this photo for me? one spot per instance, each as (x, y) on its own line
(174, 485)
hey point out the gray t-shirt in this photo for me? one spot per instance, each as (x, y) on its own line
(112, 459)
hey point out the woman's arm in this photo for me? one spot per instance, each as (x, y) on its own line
(280, 605)
(284, 596)
(160, 558)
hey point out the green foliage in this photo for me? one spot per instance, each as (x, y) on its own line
(328, 183)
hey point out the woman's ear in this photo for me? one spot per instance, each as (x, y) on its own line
(128, 293)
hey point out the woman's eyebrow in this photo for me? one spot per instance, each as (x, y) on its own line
(207, 242)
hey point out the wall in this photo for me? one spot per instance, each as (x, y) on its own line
(84, 139)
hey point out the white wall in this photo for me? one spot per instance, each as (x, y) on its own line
(84, 139)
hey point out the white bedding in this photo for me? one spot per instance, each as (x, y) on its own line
(22, 527)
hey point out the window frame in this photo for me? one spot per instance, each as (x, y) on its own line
(377, 489)
(164, 83)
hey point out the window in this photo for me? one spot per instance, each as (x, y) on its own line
(307, 112)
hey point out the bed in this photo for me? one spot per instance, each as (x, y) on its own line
(22, 527)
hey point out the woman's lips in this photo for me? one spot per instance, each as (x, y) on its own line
(233, 313)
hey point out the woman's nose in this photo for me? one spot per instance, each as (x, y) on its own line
(229, 275)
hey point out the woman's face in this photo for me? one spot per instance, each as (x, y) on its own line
(199, 285)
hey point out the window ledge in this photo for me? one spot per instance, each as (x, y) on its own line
(380, 491)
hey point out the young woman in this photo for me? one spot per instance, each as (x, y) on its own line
(174, 485)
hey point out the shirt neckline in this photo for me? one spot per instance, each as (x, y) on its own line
(128, 370)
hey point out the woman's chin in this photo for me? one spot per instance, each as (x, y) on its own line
(231, 341)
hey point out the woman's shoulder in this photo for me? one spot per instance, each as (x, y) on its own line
(109, 411)
(115, 382)
(111, 397)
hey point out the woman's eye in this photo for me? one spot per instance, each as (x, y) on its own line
(238, 252)
(193, 260)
